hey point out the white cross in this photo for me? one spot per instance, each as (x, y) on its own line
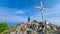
(42, 9)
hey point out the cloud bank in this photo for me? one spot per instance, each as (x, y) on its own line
(53, 14)
(9, 15)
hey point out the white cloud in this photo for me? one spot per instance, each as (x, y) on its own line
(8, 15)
(12, 19)
(54, 11)
(20, 11)
(36, 17)
(54, 20)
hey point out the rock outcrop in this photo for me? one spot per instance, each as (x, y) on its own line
(32, 28)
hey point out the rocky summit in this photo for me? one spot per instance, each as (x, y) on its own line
(32, 28)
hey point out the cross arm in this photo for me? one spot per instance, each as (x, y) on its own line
(45, 9)
(37, 7)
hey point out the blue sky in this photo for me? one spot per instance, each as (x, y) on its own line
(14, 11)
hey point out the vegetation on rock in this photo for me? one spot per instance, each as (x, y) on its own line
(3, 26)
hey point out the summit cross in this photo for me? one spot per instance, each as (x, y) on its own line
(42, 15)
(42, 10)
